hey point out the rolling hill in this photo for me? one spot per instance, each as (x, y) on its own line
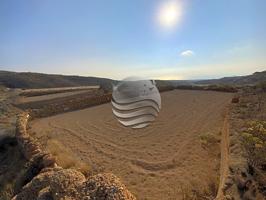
(27, 80)
(38, 80)
(237, 80)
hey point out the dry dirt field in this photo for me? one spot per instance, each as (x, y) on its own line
(154, 162)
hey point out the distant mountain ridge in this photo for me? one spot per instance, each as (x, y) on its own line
(237, 80)
(38, 80)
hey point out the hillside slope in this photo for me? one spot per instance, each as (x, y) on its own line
(38, 80)
(238, 80)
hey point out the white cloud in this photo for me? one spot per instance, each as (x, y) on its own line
(187, 53)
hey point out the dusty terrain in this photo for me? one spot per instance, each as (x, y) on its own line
(157, 162)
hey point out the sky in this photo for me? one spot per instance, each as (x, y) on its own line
(162, 39)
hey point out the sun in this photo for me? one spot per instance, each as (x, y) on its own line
(169, 14)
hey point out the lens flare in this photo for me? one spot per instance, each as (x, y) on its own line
(169, 14)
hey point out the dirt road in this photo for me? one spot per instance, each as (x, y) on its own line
(154, 162)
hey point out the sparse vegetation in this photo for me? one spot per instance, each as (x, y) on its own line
(208, 139)
(66, 159)
(247, 145)
(254, 142)
(221, 88)
(7, 191)
(217, 87)
(197, 192)
(2, 88)
(261, 85)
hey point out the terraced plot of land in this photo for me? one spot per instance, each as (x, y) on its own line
(50, 96)
(156, 162)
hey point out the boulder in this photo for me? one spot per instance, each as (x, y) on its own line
(60, 184)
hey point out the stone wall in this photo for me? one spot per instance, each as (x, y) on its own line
(48, 181)
(28, 145)
(53, 107)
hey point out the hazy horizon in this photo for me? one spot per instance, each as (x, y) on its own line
(160, 39)
(236, 75)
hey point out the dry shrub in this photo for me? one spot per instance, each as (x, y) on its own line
(254, 142)
(2, 88)
(222, 88)
(66, 158)
(261, 85)
(208, 139)
(199, 192)
(235, 100)
(7, 192)
(218, 87)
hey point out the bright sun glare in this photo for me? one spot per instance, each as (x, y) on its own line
(169, 14)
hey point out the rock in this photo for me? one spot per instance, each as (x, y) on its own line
(106, 186)
(45, 194)
(235, 100)
(228, 197)
(60, 184)
(49, 160)
(45, 180)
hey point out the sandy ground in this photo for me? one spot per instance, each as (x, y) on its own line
(154, 162)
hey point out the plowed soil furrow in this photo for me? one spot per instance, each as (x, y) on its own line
(154, 162)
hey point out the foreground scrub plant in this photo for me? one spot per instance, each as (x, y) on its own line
(254, 142)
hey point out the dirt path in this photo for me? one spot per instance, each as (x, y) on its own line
(155, 162)
(224, 166)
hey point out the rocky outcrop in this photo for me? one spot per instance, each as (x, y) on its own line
(28, 145)
(47, 181)
(58, 184)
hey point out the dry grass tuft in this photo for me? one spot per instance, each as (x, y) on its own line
(67, 159)
(7, 192)
(208, 139)
(198, 192)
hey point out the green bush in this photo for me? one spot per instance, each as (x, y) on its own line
(254, 142)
